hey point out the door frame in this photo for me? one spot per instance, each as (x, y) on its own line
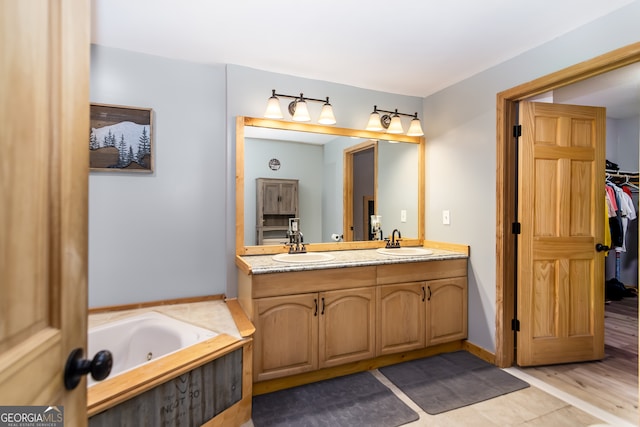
(506, 105)
(347, 191)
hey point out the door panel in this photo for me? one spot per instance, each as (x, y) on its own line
(44, 116)
(347, 326)
(561, 276)
(286, 336)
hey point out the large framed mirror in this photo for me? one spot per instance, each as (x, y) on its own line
(341, 177)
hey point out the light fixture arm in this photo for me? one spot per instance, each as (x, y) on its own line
(301, 97)
(377, 110)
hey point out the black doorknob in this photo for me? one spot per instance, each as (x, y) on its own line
(601, 248)
(76, 367)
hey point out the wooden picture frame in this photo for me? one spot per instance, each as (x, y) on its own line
(121, 139)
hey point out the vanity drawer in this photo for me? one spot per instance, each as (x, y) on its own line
(298, 282)
(418, 271)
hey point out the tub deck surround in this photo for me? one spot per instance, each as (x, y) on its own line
(214, 315)
(223, 317)
(265, 264)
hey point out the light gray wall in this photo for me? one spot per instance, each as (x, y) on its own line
(303, 162)
(161, 235)
(460, 127)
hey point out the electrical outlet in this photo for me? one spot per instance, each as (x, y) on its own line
(446, 219)
(403, 215)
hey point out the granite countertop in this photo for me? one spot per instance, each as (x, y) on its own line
(264, 264)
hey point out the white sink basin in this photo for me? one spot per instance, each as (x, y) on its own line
(404, 251)
(308, 257)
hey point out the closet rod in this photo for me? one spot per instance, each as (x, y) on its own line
(613, 172)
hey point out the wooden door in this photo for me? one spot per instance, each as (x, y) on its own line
(446, 310)
(347, 326)
(400, 318)
(286, 338)
(560, 295)
(44, 122)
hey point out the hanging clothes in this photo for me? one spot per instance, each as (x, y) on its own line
(615, 218)
(607, 229)
(620, 210)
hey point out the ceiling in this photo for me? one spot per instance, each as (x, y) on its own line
(408, 47)
(617, 90)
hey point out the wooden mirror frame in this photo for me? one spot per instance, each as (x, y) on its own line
(241, 122)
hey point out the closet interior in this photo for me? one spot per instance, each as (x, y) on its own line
(621, 267)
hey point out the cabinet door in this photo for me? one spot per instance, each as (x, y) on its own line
(347, 326)
(271, 198)
(400, 318)
(446, 310)
(286, 336)
(289, 198)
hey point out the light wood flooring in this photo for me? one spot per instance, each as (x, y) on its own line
(579, 394)
(610, 384)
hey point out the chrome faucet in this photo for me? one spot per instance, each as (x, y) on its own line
(394, 243)
(296, 239)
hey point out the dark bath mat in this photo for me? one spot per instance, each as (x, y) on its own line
(449, 381)
(354, 400)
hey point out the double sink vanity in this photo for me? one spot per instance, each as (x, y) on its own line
(352, 305)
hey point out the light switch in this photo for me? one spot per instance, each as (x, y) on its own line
(403, 215)
(446, 219)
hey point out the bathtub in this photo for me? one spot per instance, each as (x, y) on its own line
(136, 340)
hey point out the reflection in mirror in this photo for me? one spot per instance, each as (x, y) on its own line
(315, 158)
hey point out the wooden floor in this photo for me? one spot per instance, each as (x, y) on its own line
(610, 384)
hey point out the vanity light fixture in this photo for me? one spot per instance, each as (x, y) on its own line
(298, 108)
(392, 123)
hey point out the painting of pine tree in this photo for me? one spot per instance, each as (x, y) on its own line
(120, 138)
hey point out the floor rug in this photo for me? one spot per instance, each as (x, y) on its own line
(449, 381)
(353, 400)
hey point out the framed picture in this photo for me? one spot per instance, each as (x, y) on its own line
(121, 139)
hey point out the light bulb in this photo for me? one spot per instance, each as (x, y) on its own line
(374, 122)
(273, 110)
(326, 115)
(396, 125)
(302, 113)
(414, 128)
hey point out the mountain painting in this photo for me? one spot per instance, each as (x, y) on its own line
(120, 139)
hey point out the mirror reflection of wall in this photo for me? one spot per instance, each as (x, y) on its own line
(303, 162)
(398, 187)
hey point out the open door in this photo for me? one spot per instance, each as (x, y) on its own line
(44, 123)
(360, 181)
(560, 297)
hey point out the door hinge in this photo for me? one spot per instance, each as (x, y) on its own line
(515, 228)
(517, 131)
(515, 325)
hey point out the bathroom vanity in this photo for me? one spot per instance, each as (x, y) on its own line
(343, 306)
(359, 306)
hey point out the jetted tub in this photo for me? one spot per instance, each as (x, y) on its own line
(138, 339)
